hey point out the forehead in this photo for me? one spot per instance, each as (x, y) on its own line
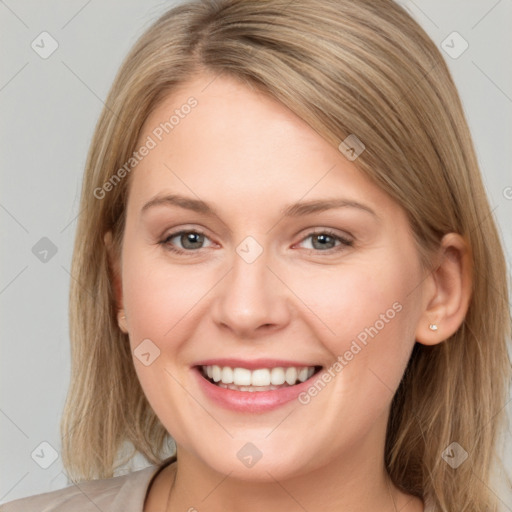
(218, 139)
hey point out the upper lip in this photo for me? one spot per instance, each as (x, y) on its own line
(254, 364)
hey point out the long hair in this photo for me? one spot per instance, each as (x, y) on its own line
(345, 67)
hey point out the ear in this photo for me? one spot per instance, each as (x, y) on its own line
(448, 292)
(115, 272)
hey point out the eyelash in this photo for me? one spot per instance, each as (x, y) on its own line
(344, 241)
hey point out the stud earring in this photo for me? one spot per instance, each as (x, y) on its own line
(433, 327)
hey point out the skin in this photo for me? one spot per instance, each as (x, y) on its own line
(248, 156)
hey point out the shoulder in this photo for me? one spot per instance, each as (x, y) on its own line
(124, 493)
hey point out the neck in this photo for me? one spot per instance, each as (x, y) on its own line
(192, 486)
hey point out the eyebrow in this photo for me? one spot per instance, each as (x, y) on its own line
(298, 209)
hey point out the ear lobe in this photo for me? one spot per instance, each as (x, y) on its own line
(449, 292)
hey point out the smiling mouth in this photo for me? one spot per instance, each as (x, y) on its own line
(261, 379)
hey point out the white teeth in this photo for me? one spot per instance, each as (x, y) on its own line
(227, 375)
(262, 377)
(277, 376)
(241, 377)
(216, 373)
(251, 389)
(303, 374)
(291, 375)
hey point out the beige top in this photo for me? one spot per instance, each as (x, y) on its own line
(126, 493)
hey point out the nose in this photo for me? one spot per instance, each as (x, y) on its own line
(251, 300)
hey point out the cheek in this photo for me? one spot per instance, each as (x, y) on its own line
(157, 295)
(366, 314)
(354, 295)
(159, 299)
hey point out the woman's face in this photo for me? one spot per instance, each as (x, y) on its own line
(261, 284)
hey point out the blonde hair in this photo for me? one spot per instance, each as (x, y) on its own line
(345, 67)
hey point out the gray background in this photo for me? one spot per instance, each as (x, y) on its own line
(49, 110)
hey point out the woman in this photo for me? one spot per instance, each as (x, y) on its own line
(296, 274)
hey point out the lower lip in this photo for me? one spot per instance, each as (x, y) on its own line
(250, 401)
